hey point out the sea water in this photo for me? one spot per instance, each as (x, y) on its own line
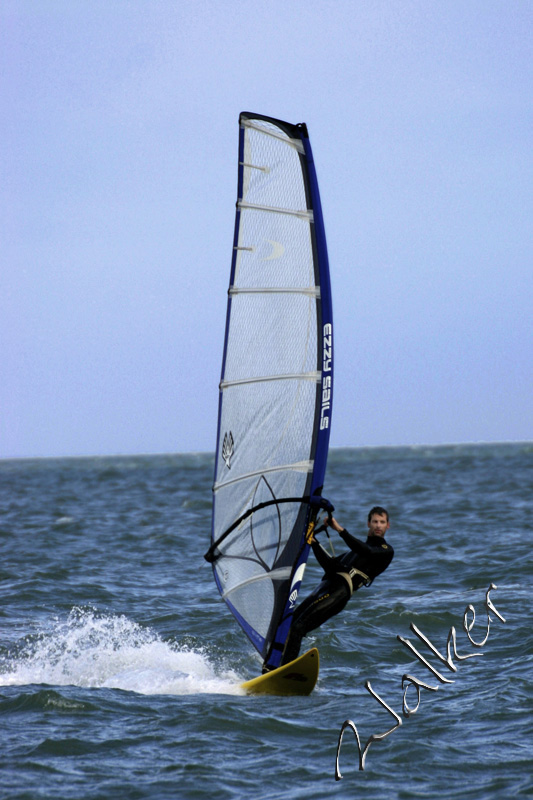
(120, 665)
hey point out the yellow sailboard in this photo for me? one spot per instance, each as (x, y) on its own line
(298, 677)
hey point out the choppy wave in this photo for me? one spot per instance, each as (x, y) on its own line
(93, 650)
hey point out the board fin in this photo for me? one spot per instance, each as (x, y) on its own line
(298, 677)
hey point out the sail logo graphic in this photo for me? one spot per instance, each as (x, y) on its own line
(326, 379)
(228, 449)
(296, 581)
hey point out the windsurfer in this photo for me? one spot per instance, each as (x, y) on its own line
(343, 575)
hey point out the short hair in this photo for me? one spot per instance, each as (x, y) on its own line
(378, 510)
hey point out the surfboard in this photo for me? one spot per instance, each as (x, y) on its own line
(299, 677)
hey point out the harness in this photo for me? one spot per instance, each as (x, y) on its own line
(349, 576)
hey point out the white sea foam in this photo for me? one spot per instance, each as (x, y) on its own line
(93, 650)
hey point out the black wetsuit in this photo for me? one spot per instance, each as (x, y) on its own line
(342, 575)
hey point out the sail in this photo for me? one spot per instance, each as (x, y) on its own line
(277, 381)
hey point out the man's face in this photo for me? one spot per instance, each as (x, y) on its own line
(378, 525)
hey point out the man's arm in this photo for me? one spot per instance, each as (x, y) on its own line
(326, 561)
(381, 553)
(354, 544)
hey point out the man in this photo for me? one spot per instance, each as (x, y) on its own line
(343, 575)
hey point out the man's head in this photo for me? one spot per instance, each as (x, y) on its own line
(378, 521)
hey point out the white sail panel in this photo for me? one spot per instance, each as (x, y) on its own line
(271, 383)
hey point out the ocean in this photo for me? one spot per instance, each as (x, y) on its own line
(120, 665)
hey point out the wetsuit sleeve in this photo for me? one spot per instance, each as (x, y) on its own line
(354, 544)
(324, 559)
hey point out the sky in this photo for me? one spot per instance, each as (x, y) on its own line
(119, 181)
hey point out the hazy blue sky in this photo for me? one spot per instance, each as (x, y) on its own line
(119, 171)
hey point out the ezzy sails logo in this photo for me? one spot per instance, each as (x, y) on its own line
(326, 379)
(228, 448)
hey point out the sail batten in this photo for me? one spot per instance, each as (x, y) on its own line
(276, 383)
(301, 376)
(298, 466)
(308, 291)
(295, 212)
(273, 575)
(254, 166)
